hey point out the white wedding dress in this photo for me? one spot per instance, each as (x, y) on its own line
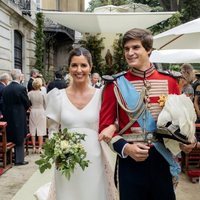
(92, 183)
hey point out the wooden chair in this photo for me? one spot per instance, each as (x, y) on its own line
(27, 138)
(198, 131)
(192, 165)
(192, 160)
(6, 148)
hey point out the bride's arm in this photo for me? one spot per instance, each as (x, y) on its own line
(53, 127)
(107, 133)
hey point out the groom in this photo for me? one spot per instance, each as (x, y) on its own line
(142, 172)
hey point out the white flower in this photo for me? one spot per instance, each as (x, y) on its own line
(64, 145)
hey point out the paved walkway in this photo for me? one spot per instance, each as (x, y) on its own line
(12, 181)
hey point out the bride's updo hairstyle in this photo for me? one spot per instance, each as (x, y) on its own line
(78, 52)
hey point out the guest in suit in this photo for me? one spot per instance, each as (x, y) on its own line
(16, 104)
(58, 82)
(4, 80)
(96, 80)
(34, 74)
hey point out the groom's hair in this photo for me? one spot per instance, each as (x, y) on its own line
(144, 35)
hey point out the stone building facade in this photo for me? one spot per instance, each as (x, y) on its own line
(62, 5)
(17, 31)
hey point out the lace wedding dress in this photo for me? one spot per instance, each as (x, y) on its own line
(96, 181)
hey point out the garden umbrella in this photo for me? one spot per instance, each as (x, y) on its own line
(132, 7)
(109, 8)
(176, 56)
(137, 7)
(185, 36)
(86, 22)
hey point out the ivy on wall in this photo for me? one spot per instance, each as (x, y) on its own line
(39, 42)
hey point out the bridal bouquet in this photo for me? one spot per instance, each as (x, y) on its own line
(66, 151)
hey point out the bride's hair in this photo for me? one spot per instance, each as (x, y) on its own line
(80, 51)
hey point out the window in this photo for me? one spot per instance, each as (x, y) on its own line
(17, 50)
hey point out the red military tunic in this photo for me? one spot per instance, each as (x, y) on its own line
(161, 84)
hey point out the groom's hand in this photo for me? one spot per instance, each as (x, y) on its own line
(187, 148)
(137, 151)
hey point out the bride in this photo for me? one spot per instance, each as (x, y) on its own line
(77, 108)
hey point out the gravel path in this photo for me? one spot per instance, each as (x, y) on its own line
(13, 180)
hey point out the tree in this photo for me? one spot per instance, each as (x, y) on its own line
(172, 22)
(94, 43)
(118, 56)
(39, 42)
(94, 4)
(190, 10)
(151, 3)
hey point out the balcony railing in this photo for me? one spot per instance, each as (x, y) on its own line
(24, 5)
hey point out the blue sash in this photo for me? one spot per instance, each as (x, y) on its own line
(131, 97)
(175, 168)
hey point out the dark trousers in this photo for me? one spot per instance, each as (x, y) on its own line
(19, 153)
(147, 180)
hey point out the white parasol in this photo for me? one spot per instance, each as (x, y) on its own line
(185, 36)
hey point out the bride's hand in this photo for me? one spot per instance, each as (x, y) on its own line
(107, 133)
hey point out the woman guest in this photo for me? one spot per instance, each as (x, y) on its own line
(185, 82)
(37, 118)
